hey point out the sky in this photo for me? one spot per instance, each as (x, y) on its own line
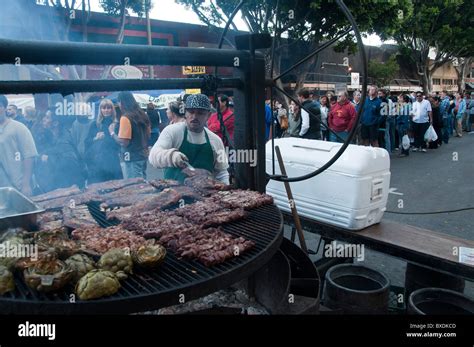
(169, 10)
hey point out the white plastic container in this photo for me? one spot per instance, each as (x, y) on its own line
(351, 194)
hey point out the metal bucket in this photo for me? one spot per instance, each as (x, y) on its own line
(418, 277)
(356, 289)
(439, 301)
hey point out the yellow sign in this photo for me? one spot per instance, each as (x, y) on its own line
(192, 91)
(194, 70)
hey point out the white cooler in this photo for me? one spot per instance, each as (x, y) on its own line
(351, 194)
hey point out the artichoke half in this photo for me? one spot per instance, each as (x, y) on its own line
(48, 274)
(96, 284)
(149, 255)
(58, 241)
(118, 261)
(7, 284)
(81, 264)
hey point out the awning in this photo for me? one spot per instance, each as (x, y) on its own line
(469, 85)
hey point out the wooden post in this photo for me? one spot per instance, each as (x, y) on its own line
(292, 202)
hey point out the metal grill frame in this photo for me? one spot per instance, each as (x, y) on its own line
(147, 290)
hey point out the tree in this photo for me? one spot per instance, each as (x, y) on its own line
(440, 26)
(462, 67)
(300, 26)
(382, 73)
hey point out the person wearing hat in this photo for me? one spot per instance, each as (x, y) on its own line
(191, 143)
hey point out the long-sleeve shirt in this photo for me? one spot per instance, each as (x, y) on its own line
(461, 104)
(342, 117)
(214, 124)
(304, 122)
(170, 141)
(444, 107)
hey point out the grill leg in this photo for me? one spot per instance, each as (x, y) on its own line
(293, 234)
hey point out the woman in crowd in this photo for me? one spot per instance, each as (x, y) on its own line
(41, 131)
(325, 108)
(403, 122)
(281, 117)
(133, 135)
(294, 120)
(102, 152)
(58, 163)
(174, 113)
(154, 118)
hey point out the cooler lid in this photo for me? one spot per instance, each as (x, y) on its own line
(356, 160)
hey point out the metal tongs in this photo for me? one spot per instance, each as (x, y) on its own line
(189, 166)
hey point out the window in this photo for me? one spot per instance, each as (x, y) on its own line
(436, 81)
(448, 82)
(455, 82)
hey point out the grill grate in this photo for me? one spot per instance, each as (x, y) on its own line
(175, 280)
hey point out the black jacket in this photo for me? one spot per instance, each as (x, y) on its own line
(314, 131)
(102, 156)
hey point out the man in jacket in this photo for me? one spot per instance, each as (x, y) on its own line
(191, 143)
(310, 116)
(369, 129)
(341, 118)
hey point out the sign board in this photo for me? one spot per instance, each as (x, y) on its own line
(194, 70)
(193, 91)
(126, 72)
(355, 79)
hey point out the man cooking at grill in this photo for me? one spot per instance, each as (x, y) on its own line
(189, 143)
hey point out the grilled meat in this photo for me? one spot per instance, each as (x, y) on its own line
(101, 240)
(104, 187)
(166, 199)
(238, 198)
(58, 193)
(163, 184)
(78, 217)
(71, 201)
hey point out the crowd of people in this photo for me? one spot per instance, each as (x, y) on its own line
(43, 151)
(394, 122)
(40, 152)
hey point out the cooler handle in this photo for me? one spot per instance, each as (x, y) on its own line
(377, 189)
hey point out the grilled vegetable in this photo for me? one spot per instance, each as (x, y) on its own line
(96, 284)
(118, 261)
(58, 241)
(80, 264)
(6, 280)
(149, 255)
(48, 274)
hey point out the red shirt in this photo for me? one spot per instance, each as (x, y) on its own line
(342, 117)
(214, 125)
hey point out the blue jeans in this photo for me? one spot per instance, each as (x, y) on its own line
(133, 169)
(342, 134)
(468, 122)
(447, 131)
(390, 134)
